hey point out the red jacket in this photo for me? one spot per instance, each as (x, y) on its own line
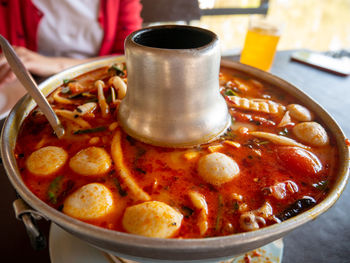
(19, 21)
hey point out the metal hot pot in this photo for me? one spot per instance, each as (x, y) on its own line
(146, 249)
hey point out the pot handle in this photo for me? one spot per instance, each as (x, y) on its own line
(29, 216)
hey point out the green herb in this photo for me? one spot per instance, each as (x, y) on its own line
(262, 142)
(114, 69)
(121, 191)
(74, 96)
(230, 92)
(140, 152)
(233, 120)
(255, 122)
(187, 211)
(54, 189)
(235, 206)
(229, 135)
(97, 129)
(321, 185)
(88, 95)
(109, 98)
(130, 140)
(138, 169)
(219, 213)
(66, 90)
(67, 81)
(92, 100)
(284, 132)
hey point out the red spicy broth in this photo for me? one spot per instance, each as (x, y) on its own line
(270, 172)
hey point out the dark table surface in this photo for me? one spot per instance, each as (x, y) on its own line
(326, 239)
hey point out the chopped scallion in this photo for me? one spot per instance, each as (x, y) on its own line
(263, 142)
(74, 96)
(66, 90)
(121, 191)
(229, 135)
(233, 120)
(117, 71)
(67, 81)
(109, 98)
(284, 132)
(235, 206)
(187, 211)
(97, 129)
(321, 185)
(54, 189)
(230, 92)
(219, 213)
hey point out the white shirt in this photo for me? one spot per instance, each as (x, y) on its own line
(69, 28)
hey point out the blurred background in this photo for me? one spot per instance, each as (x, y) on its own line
(320, 25)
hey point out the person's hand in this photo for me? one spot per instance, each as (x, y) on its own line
(6, 74)
(37, 64)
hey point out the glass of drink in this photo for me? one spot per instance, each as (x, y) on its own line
(260, 43)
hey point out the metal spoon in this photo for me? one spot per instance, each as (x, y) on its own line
(29, 83)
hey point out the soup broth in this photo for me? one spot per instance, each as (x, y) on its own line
(274, 162)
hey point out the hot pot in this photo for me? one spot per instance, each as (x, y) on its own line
(146, 249)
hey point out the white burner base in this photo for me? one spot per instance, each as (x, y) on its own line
(65, 248)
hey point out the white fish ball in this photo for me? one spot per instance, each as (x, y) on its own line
(299, 112)
(47, 160)
(91, 161)
(217, 168)
(152, 219)
(311, 133)
(90, 201)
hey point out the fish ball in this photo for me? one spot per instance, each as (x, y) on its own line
(46, 160)
(300, 113)
(90, 201)
(152, 219)
(217, 168)
(311, 133)
(91, 161)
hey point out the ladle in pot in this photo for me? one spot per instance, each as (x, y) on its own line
(173, 97)
(28, 82)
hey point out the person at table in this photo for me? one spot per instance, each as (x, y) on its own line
(50, 35)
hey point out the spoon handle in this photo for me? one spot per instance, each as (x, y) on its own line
(28, 82)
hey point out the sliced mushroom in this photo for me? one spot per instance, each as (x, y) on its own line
(85, 108)
(199, 202)
(99, 84)
(277, 139)
(74, 117)
(119, 85)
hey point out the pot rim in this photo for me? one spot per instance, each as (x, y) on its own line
(136, 242)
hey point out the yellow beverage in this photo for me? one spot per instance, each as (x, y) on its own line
(260, 46)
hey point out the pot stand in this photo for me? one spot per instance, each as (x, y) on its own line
(65, 248)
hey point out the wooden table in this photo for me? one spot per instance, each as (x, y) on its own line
(327, 239)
